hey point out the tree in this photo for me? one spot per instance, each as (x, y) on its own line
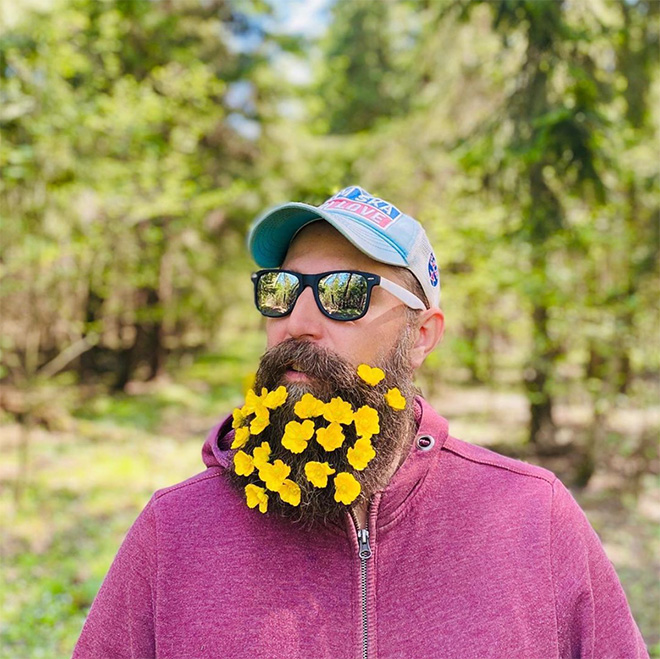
(362, 81)
(542, 148)
(118, 154)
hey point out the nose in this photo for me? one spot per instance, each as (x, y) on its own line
(306, 319)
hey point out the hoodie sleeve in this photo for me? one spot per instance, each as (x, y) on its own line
(593, 617)
(120, 623)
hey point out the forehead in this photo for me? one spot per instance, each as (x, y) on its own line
(319, 247)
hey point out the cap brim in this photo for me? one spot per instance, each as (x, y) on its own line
(272, 233)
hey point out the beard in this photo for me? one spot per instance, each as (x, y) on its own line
(329, 376)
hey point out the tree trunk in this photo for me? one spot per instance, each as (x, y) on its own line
(537, 378)
(147, 348)
(88, 361)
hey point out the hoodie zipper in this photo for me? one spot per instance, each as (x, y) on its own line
(364, 553)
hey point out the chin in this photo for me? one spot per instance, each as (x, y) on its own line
(298, 388)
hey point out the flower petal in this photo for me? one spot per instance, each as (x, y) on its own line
(290, 492)
(330, 438)
(238, 418)
(252, 401)
(243, 463)
(370, 375)
(367, 422)
(261, 421)
(395, 400)
(308, 406)
(296, 435)
(273, 475)
(261, 454)
(276, 398)
(293, 444)
(347, 488)
(360, 455)
(256, 496)
(317, 473)
(338, 411)
(240, 437)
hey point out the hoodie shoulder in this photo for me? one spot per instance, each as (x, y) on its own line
(196, 482)
(490, 459)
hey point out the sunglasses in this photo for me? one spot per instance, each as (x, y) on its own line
(339, 294)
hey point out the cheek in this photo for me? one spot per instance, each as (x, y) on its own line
(375, 345)
(274, 334)
(360, 348)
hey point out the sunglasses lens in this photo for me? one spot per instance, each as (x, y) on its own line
(276, 293)
(343, 295)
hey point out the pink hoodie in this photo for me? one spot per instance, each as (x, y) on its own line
(467, 555)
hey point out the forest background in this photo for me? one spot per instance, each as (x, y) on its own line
(140, 138)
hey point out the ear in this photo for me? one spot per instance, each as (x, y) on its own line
(429, 332)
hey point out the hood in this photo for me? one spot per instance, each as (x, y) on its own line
(216, 451)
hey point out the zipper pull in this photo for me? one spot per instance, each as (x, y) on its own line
(364, 550)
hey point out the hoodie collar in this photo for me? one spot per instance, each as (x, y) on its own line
(408, 481)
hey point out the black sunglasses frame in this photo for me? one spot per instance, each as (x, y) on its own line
(313, 282)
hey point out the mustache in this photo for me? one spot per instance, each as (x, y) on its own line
(316, 362)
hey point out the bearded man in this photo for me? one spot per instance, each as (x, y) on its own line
(337, 517)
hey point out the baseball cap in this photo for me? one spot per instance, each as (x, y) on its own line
(376, 227)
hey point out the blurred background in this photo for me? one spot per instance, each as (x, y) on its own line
(138, 140)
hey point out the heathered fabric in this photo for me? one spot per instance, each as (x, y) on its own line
(475, 556)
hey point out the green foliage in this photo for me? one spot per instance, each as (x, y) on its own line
(520, 132)
(363, 78)
(116, 160)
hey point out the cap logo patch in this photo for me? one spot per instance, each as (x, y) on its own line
(433, 271)
(356, 200)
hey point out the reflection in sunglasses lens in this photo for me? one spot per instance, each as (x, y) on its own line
(276, 292)
(343, 294)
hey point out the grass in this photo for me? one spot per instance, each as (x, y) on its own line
(89, 480)
(84, 493)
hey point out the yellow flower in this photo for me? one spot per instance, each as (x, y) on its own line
(360, 455)
(370, 375)
(260, 421)
(338, 411)
(367, 422)
(330, 438)
(290, 492)
(256, 496)
(346, 488)
(308, 406)
(239, 418)
(243, 463)
(240, 437)
(273, 475)
(296, 435)
(274, 399)
(317, 473)
(395, 400)
(253, 403)
(261, 454)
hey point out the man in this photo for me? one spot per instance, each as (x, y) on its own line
(337, 517)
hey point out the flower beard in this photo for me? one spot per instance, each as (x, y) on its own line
(330, 376)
